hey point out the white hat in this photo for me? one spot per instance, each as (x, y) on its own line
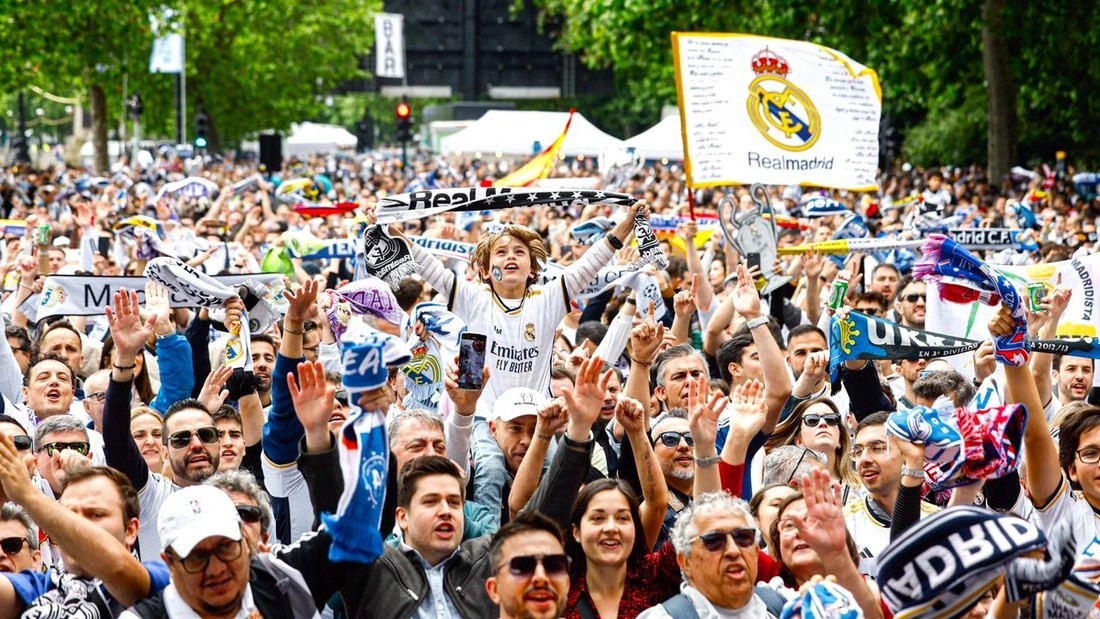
(190, 515)
(517, 402)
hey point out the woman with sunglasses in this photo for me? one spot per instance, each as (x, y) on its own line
(811, 540)
(818, 425)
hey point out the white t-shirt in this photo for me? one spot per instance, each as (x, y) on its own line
(871, 533)
(287, 486)
(150, 498)
(1072, 506)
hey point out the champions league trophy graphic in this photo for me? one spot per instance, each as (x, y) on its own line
(754, 236)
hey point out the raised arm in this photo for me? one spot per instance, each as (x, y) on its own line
(705, 293)
(747, 416)
(1044, 473)
(777, 381)
(460, 423)
(644, 340)
(713, 336)
(631, 415)
(129, 335)
(581, 273)
(704, 409)
(685, 305)
(1053, 305)
(122, 573)
(813, 263)
(552, 417)
(173, 351)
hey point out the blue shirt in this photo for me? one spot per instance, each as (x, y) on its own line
(60, 594)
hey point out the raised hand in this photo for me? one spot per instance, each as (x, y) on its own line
(127, 330)
(552, 417)
(234, 313)
(214, 393)
(156, 303)
(689, 230)
(704, 410)
(823, 525)
(645, 338)
(984, 361)
(585, 399)
(14, 476)
(314, 398)
(302, 305)
(631, 415)
(749, 410)
(465, 400)
(813, 263)
(746, 299)
(1003, 323)
(684, 301)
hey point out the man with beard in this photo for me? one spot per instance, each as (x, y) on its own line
(263, 362)
(530, 569)
(675, 451)
(189, 434)
(911, 303)
(1060, 379)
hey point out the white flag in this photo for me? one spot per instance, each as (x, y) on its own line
(167, 56)
(775, 111)
(389, 45)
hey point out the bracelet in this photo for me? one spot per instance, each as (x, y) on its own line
(545, 437)
(161, 336)
(632, 300)
(640, 362)
(707, 461)
(22, 285)
(756, 322)
(123, 367)
(614, 241)
(915, 473)
(295, 332)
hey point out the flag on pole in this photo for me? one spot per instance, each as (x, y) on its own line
(539, 167)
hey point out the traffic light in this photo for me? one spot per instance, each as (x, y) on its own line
(364, 133)
(404, 122)
(202, 124)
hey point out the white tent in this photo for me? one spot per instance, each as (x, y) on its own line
(512, 132)
(313, 138)
(661, 141)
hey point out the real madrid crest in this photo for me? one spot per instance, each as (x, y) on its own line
(781, 111)
(529, 332)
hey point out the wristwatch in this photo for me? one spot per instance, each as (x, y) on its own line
(616, 244)
(708, 461)
(915, 473)
(756, 322)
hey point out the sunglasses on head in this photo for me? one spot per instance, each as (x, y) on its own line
(715, 541)
(181, 439)
(12, 545)
(53, 448)
(672, 439)
(22, 442)
(524, 566)
(830, 419)
(249, 513)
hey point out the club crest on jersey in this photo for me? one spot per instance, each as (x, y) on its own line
(529, 332)
(781, 111)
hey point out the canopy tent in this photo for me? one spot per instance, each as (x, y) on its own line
(512, 132)
(313, 138)
(661, 141)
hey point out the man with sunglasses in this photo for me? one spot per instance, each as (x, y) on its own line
(214, 570)
(718, 553)
(531, 570)
(911, 304)
(675, 452)
(52, 437)
(18, 540)
(189, 434)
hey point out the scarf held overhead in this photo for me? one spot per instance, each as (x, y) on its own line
(864, 337)
(420, 204)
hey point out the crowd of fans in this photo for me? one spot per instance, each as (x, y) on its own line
(699, 464)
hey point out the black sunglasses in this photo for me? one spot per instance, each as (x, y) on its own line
(249, 513)
(22, 442)
(524, 566)
(12, 545)
(715, 541)
(830, 419)
(913, 298)
(53, 448)
(672, 439)
(342, 397)
(870, 311)
(181, 439)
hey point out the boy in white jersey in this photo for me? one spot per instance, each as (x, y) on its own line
(517, 316)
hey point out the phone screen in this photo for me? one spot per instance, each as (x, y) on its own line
(471, 360)
(753, 260)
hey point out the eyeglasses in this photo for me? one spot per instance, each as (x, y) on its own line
(524, 566)
(12, 545)
(342, 397)
(1088, 455)
(197, 561)
(181, 439)
(715, 541)
(874, 447)
(53, 448)
(830, 419)
(672, 439)
(98, 396)
(913, 298)
(870, 311)
(249, 513)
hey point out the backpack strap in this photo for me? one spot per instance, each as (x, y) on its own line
(772, 599)
(680, 607)
(585, 609)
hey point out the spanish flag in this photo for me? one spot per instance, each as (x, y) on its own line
(540, 166)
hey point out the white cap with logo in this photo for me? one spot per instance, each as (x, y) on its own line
(517, 402)
(190, 515)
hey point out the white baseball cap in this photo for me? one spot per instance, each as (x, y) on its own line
(517, 402)
(190, 515)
